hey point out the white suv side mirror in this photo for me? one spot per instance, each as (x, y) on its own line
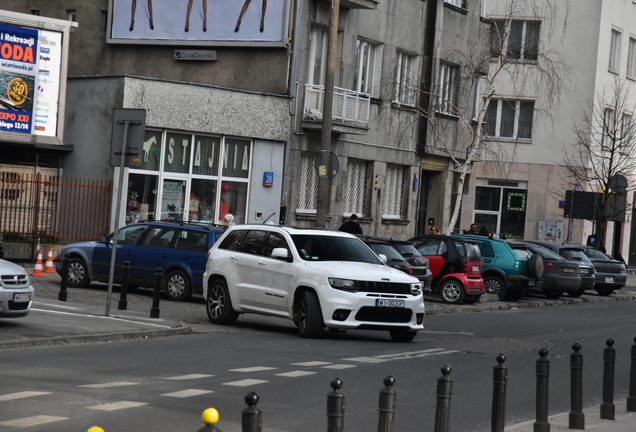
(280, 253)
(382, 258)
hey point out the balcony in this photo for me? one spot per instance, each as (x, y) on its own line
(358, 4)
(350, 109)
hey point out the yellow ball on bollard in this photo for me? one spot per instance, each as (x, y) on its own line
(209, 416)
(96, 429)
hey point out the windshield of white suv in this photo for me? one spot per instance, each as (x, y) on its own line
(314, 247)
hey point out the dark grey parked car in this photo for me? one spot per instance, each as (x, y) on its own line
(559, 275)
(419, 264)
(610, 274)
(574, 254)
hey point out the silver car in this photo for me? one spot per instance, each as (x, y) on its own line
(16, 291)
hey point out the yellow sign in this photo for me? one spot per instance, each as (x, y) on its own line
(322, 170)
(17, 91)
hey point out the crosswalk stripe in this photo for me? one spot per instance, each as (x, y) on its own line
(21, 395)
(32, 421)
(116, 406)
(366, 359)
(245, 382)
(311, 363)
(187, 377)
(411, 353)
(339, 366)
(110, 384)
(187, 393)
(295, 374)
(253, 369)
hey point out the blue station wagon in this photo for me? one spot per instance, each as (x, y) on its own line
(178, 248)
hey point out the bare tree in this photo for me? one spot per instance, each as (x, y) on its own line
(603, 156)
(511, 54)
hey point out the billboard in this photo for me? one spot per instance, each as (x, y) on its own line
(33, 55)
(199, 22)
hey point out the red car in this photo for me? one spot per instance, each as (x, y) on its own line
(456, 267)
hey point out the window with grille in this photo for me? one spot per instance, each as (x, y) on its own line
(405, 82)
(447, 88)
(393, 192)
(522, 42)
(307, 198)
(506, 118)
(355, 187)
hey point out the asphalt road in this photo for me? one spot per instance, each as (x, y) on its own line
(165, 383)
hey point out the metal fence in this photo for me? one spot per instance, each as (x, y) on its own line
(39, 209)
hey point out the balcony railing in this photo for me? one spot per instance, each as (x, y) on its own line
(348, 106)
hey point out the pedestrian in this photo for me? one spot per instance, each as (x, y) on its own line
(484, 232)
(351, 226)
(435, 230)
(472, 230)
(228, 220)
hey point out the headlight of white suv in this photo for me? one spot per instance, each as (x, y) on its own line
(416, 288)
(343, 284)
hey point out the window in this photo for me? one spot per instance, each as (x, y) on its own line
(509, 119)
(405, 82)
(393, 192)
(307, 196)
(609, 120)
(627, 132)
(522, 40)
(275, 240)
(318, 56)
(500, 206)
(253, 242)
(447, 88)
(363, 80)
(355, 187)
(459, 3)
(631, 59)
(615, 50)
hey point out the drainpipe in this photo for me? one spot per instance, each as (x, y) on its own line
(292, 111)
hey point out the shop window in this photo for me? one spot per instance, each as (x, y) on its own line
(236, 160)
(206, 155)
(499, 208)
(202, 200)
(233, 201)
(151, 151)
(142, 197)
(172, 200)
(177, 158)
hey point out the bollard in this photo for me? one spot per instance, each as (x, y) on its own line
(95, 429)
(388, 401)
(125, 273)
(61, 296)
(154, 311)
(444, 393)
(335, 407)
(577, 417)
(210, 417)
(609, 359)
(631, 399)
(499, 380)
(251, 417)
(543, 376)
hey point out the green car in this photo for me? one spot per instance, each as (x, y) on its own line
(505, 273)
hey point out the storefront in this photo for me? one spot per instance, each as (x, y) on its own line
(500, 206)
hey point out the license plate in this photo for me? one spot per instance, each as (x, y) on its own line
(390, 303)
(568, 270)
(609, 279)
(21, 298)
(475, 268)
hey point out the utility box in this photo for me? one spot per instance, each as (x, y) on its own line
(551, 230)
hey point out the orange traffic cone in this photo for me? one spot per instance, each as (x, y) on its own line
(37, 271)
(48, 267)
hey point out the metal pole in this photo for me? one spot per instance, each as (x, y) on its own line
(335, 407)
(499, 379)
(444, 394)
(631, 399)
(61, 296)
(388, 400)
(327, 114)
(577, 417)
(251, 417)
(609, 359)
(543, 375)
(113, 252)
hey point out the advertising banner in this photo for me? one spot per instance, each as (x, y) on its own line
(199, 22)
(30, 67)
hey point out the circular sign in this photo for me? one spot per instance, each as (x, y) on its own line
(18, 91)
(334, 165)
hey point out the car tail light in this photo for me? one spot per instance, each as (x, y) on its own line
(466, 270)
(409, 270)
(548, 268)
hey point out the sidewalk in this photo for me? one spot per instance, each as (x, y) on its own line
(624, 421)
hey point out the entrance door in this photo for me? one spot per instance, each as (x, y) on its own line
(173, 199)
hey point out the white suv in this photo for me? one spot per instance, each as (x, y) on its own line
(317, 278)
